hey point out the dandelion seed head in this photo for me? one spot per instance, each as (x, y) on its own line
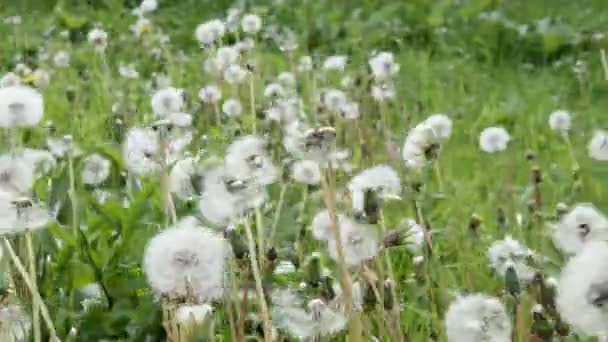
(335, 63)
(10, 79)
(188, 314)
(306, 172)
(166, 101)
(251, 23)
(210, 94)
(15, 323)
(209, 32)
(583, 289)
(598, 146)
(478, 317)
(16, 176)
(494, 139)
(383, 66)
(186, 260)
(20, 106)
(232, 108)
(95, 169)
(583, 223)
(98, 38)
(560, 120)
(507, 253)
(247, 160)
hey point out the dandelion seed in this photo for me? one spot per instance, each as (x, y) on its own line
(186, 260)
(478, 318)
(183, 179)
(334, 100)
(582, 224)
(95, 169)
(128, 71)
(140, 150)
(20, 106)
(583, 290)
(494, 139)
(441, 125)
(415, 235)
(274, 90)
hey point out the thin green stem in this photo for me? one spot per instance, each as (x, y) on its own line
(33, 291)
(258, 284)
(35, 307)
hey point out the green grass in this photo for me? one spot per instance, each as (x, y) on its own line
(480, 73)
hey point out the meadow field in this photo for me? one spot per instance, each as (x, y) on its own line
(300, 170)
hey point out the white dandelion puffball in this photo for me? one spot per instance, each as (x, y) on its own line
(334, 100)
(208, 32)
(350, 111)
(247, 160)
(441, 125)
(511, 253)
(40, 161)
(581, 224)
(128, 71)
(225, 200)
(226, 56)
(383, 92)
(98, 38)
(167, 101)
(95, 169)
(583, 285)
(305, 64)
(381, 179)
(287, 79)
(415, 235)
(41, 78)
(20, 106)
(359, 242)
(418, 141)
(140, 151)
(235, 74)
(383, 66)
(61, 59)
(210, 94)
(18, 215)
(186, 260)
(560, 120)
(10, 79)
(305, 321)
(16, 176)
(478, 318)
(306, 172)
(182, 179)
(15, 323)
(494, 139)
(335, 63)
(274, 90)
(148, 6)
(232, 108)
(321, 225)
(188, 314)
(251, 23)
(598, 146)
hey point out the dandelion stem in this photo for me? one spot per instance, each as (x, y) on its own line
(277, 215)
(329, 199)
(72, 195)
(34, 292)
(571, 151)
(604, 61)
(35, 306)
(258, 284)
(252, 102)
(391, 277)
(260, 232)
